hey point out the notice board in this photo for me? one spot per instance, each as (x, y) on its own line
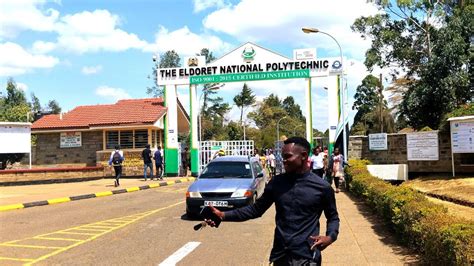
(423, 146)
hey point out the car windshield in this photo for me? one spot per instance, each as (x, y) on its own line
(227, 170)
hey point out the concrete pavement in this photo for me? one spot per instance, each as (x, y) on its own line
(18, 197)
(363, 238)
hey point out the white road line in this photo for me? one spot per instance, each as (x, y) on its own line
(180, 254)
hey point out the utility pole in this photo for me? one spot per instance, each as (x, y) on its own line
(381, 102)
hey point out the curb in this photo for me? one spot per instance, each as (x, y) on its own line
(92, 195)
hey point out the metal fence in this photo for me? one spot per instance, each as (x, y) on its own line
(207, 149)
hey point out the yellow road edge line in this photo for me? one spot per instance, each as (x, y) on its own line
(75, 233)
(58, 200)
(170, 182)
(28, 246)
(154, 185)
(183, 179)
(88, 229)
(16, 259)
(11, 207)
(100, 226)
(94, 237)
(57, 238)
(103, 194)
(131, 189)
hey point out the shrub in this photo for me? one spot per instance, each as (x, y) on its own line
(442, 239)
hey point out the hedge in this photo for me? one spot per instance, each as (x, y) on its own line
(441, 238)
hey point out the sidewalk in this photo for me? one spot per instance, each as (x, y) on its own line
(363, 238)
(10, 195)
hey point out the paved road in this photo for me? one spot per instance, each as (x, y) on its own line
(142, 228)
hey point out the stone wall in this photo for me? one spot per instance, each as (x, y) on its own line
(132, 166)
(397, 154)
(48, 152)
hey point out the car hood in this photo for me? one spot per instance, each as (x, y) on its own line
(221, 184)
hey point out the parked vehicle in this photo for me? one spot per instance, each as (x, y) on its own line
(227, 182)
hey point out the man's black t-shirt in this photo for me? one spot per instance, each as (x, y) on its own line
(146, 155)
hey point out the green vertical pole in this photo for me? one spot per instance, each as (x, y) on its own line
(194, 130)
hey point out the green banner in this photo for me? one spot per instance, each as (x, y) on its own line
(290, 74)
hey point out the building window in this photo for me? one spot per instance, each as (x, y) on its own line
(111, 139)
(126, 139)
(141, 138)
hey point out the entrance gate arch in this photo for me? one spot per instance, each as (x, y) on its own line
(248, 62)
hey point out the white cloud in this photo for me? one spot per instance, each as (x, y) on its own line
(280, 21)
(89, 70)
(41, 47)
(21, 15)
(22, 86)
(114, 94)
(185, 42)
(200, 5)
(95, 31)
(14, 60)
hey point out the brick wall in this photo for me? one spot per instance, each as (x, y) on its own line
(397, 154)
(48, 152)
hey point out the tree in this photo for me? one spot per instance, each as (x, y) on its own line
(365, 98)
(14, 107)
(429, 42)
(245, 99)
(54, 107)
(169, 59)
(292, 109)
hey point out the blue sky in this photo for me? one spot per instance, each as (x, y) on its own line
(80, 52)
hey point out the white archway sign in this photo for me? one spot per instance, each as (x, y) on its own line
(248, 62)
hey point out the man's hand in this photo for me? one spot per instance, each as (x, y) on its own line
(216, 212)
(320, 242)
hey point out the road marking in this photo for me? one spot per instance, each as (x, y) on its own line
(103, 194)
(93, 234)
(28, 246)
(59, 200)
(15, 259)
(11, 207)
(131, 189)
(180, 254)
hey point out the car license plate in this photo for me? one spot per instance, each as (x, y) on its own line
(216, 203)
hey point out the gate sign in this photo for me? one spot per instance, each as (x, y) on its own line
(462, 136)
(70, 139)
(378, 142)
(15, 137)
(422, 146)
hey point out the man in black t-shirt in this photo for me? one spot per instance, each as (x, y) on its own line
(147, 163)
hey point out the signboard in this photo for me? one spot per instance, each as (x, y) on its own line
(15, 137)
(70, 139)
(378, 142)
(462, 137)
(250, 76)
(304, 54)
(423, 146)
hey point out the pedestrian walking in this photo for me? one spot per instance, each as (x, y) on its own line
(158, 157)
(317, 162)
(300, 198)
(185, 161)
(272, 164)
(336, 165)
(116, 159)
(147, 163)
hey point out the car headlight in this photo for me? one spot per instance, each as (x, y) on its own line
(241, 193)
(193, 195)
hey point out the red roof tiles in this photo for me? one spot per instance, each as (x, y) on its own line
(124, 112)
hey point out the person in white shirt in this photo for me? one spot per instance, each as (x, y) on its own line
(317, 162)
(272, 163)
(116, 159)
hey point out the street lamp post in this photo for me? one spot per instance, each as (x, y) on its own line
(294, 129)
(344, 137)
(278, 127)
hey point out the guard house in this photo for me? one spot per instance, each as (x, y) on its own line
(86, 135)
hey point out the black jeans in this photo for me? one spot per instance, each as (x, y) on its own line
(289, 260)
(319, 172)
(118, 173)
(159, 170)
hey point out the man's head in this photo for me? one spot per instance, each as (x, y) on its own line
(147, 146)
(336, 151)
(117, 147)
(159, 147)
(295, 155)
